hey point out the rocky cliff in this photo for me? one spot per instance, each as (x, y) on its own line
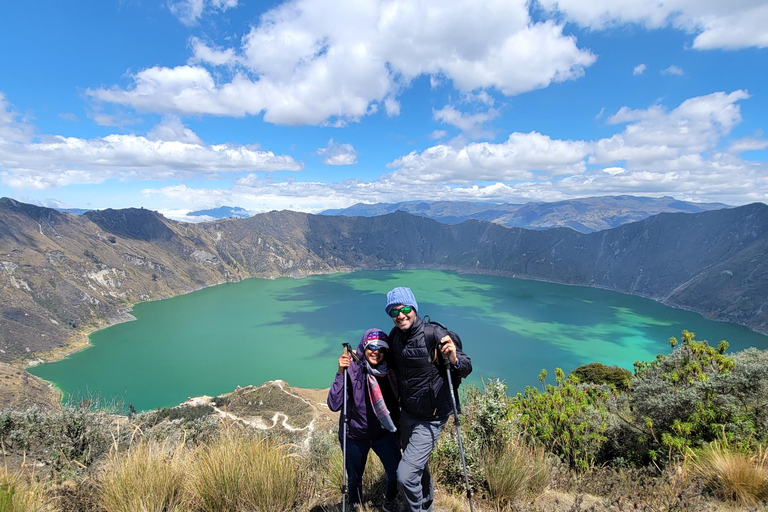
(62, 275)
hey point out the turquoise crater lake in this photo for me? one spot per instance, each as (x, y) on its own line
(213, 340)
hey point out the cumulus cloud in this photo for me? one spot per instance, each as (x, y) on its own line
(189, 12)
(656, 151)
(169, 150)
(338, 154)
(659, 151)
(639, 69)
(318, 61)
(717, 25)
(522, 157)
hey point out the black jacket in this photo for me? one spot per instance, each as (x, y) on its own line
(422, 383)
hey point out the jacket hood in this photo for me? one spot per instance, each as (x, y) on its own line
(361, 345)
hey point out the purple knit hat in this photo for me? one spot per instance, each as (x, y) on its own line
(401, 295)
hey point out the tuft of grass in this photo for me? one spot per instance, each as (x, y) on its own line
(20, 495)
(450, 503)
(735, 476)
(149, 477)
(515, 472)
(240, 474)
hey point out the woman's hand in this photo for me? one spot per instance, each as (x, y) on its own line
(344, 361)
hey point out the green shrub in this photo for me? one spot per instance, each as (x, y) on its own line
(569, 419)
(486, 425)
(183, 413)
(69, 439)
(598, 373)
(677, 401)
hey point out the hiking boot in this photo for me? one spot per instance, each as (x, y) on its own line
(389, 505)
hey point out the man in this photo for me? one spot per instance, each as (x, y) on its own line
(424, 392)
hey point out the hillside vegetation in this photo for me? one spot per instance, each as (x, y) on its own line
(685, 432)
(62, 276)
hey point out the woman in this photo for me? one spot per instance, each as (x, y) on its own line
(372, 411)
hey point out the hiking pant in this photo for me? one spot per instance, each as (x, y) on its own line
(418, 438)
(357, 454)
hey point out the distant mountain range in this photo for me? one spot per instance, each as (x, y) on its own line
(61, 275)
(585, 215)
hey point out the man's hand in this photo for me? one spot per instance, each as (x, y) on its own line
(344, 361)
(448, 349)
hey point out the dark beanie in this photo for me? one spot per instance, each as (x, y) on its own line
(401, 295)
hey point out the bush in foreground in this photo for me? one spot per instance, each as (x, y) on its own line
(736, 476)
(239, 473)
(149, 477)
(20, 495)
(518, 471)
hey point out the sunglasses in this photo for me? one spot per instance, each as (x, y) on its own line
(376, 348)
(404, 310)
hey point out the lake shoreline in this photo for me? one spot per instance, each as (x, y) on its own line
(81, 340)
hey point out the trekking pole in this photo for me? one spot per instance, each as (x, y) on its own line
(458, 429)
(344, 492)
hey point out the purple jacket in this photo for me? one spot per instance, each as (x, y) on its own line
(363, 423)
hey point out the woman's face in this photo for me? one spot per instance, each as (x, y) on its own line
(374, 357)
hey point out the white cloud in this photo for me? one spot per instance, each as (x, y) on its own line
(172, 129)
(522, 157)
(311, 61)
(338, 154)
(748, 144)
(673, 70)
(658, 152)
(189, 12)
(639, 69)
(438, 134)
(723, 25)
(392, 107)
(170, 150)
(201, 52)
(12, 127)
(471, 124)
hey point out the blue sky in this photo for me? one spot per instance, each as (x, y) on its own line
(313, 104)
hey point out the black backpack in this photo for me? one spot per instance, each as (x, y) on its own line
(431, 340)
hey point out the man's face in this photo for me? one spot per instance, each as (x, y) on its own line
(403, 321)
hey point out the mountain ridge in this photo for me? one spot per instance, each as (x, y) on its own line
(586, 214)
(62, 276)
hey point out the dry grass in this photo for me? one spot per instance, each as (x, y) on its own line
(450, 503)
(739, 477)
(149, 477)
(374, 478)
(518, 471)
(18, 494)
(241, 474)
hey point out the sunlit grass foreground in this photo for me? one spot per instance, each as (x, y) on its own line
(686, 432)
